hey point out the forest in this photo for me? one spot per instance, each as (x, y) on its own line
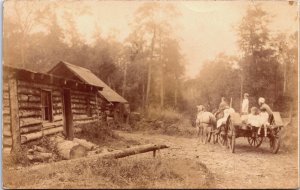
(148, 67)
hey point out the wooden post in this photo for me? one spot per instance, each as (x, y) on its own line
(14, 113)
(68, 116)
(97, 111)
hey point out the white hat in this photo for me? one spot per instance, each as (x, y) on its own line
(261, 100)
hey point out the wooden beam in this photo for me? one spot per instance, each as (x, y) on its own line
(14, 113)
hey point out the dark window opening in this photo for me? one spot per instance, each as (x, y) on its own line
(46, 99)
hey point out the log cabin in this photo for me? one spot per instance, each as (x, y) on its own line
(105, 96)
(39, 104)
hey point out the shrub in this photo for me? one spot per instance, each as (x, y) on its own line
(96, 132)
(167, 115)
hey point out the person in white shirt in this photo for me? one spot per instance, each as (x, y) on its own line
(254, 119)
(245, 104)
(228, 110)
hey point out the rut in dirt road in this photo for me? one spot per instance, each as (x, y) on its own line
(248, 167)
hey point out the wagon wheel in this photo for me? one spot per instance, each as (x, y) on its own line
(255, 141)
(274, 144)
(231, 137)
(222, 139)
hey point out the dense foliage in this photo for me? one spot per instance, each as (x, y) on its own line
(148, 67)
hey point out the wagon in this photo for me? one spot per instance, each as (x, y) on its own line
(235, 128)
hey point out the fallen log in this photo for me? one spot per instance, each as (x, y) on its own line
(134, 150)
(86, 144)
(39, 157)
(69, 149)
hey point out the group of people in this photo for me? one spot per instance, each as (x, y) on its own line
(258, 117)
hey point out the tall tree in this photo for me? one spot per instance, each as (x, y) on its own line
(259, 64)
(152, 23)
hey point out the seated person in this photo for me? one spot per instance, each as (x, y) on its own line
(265, 122)
(254, 119)
(266, 114)
(228, 110)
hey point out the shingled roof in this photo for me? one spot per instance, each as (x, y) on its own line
(87, 76)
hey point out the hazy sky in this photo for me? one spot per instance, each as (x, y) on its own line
(206, 27)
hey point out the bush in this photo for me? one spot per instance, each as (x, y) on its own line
(97, 132)
(167, 121)
(167, 115)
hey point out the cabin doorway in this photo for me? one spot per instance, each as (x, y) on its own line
(68, 117)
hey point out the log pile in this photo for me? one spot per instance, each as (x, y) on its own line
(38, 154)
(69, 149)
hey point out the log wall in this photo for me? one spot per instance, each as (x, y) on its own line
(32, 125)
(6, 127)
(82, 104)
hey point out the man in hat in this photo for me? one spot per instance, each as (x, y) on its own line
(245, 104)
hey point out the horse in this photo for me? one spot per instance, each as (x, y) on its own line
(206, 123)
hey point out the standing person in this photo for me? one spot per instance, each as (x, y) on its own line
(245, 104)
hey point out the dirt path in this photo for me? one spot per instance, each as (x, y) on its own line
(247, 168)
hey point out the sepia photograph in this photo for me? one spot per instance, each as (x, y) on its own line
(118, 94)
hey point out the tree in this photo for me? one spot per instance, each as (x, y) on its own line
(151, 24)
(260, 67)
(216, 79)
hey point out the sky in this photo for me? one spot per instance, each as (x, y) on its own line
(204, 28)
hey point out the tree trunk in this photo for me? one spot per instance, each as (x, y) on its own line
(143, 94)
(150, 68)
(161, 74)
(175, 91)
(134, 150)
(124, 81)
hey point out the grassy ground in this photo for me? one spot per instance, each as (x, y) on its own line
(289, 136)
(168, 122)
(131, 172)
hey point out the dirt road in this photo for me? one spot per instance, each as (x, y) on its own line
(247, 168)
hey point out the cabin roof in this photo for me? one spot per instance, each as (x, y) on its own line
(40, 77)
(90, 78)
(82, 73)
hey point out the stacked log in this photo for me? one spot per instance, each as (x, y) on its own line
(32, 126)
(84, 107)
(6, 118)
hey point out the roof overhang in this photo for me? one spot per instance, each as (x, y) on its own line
(36, 77)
